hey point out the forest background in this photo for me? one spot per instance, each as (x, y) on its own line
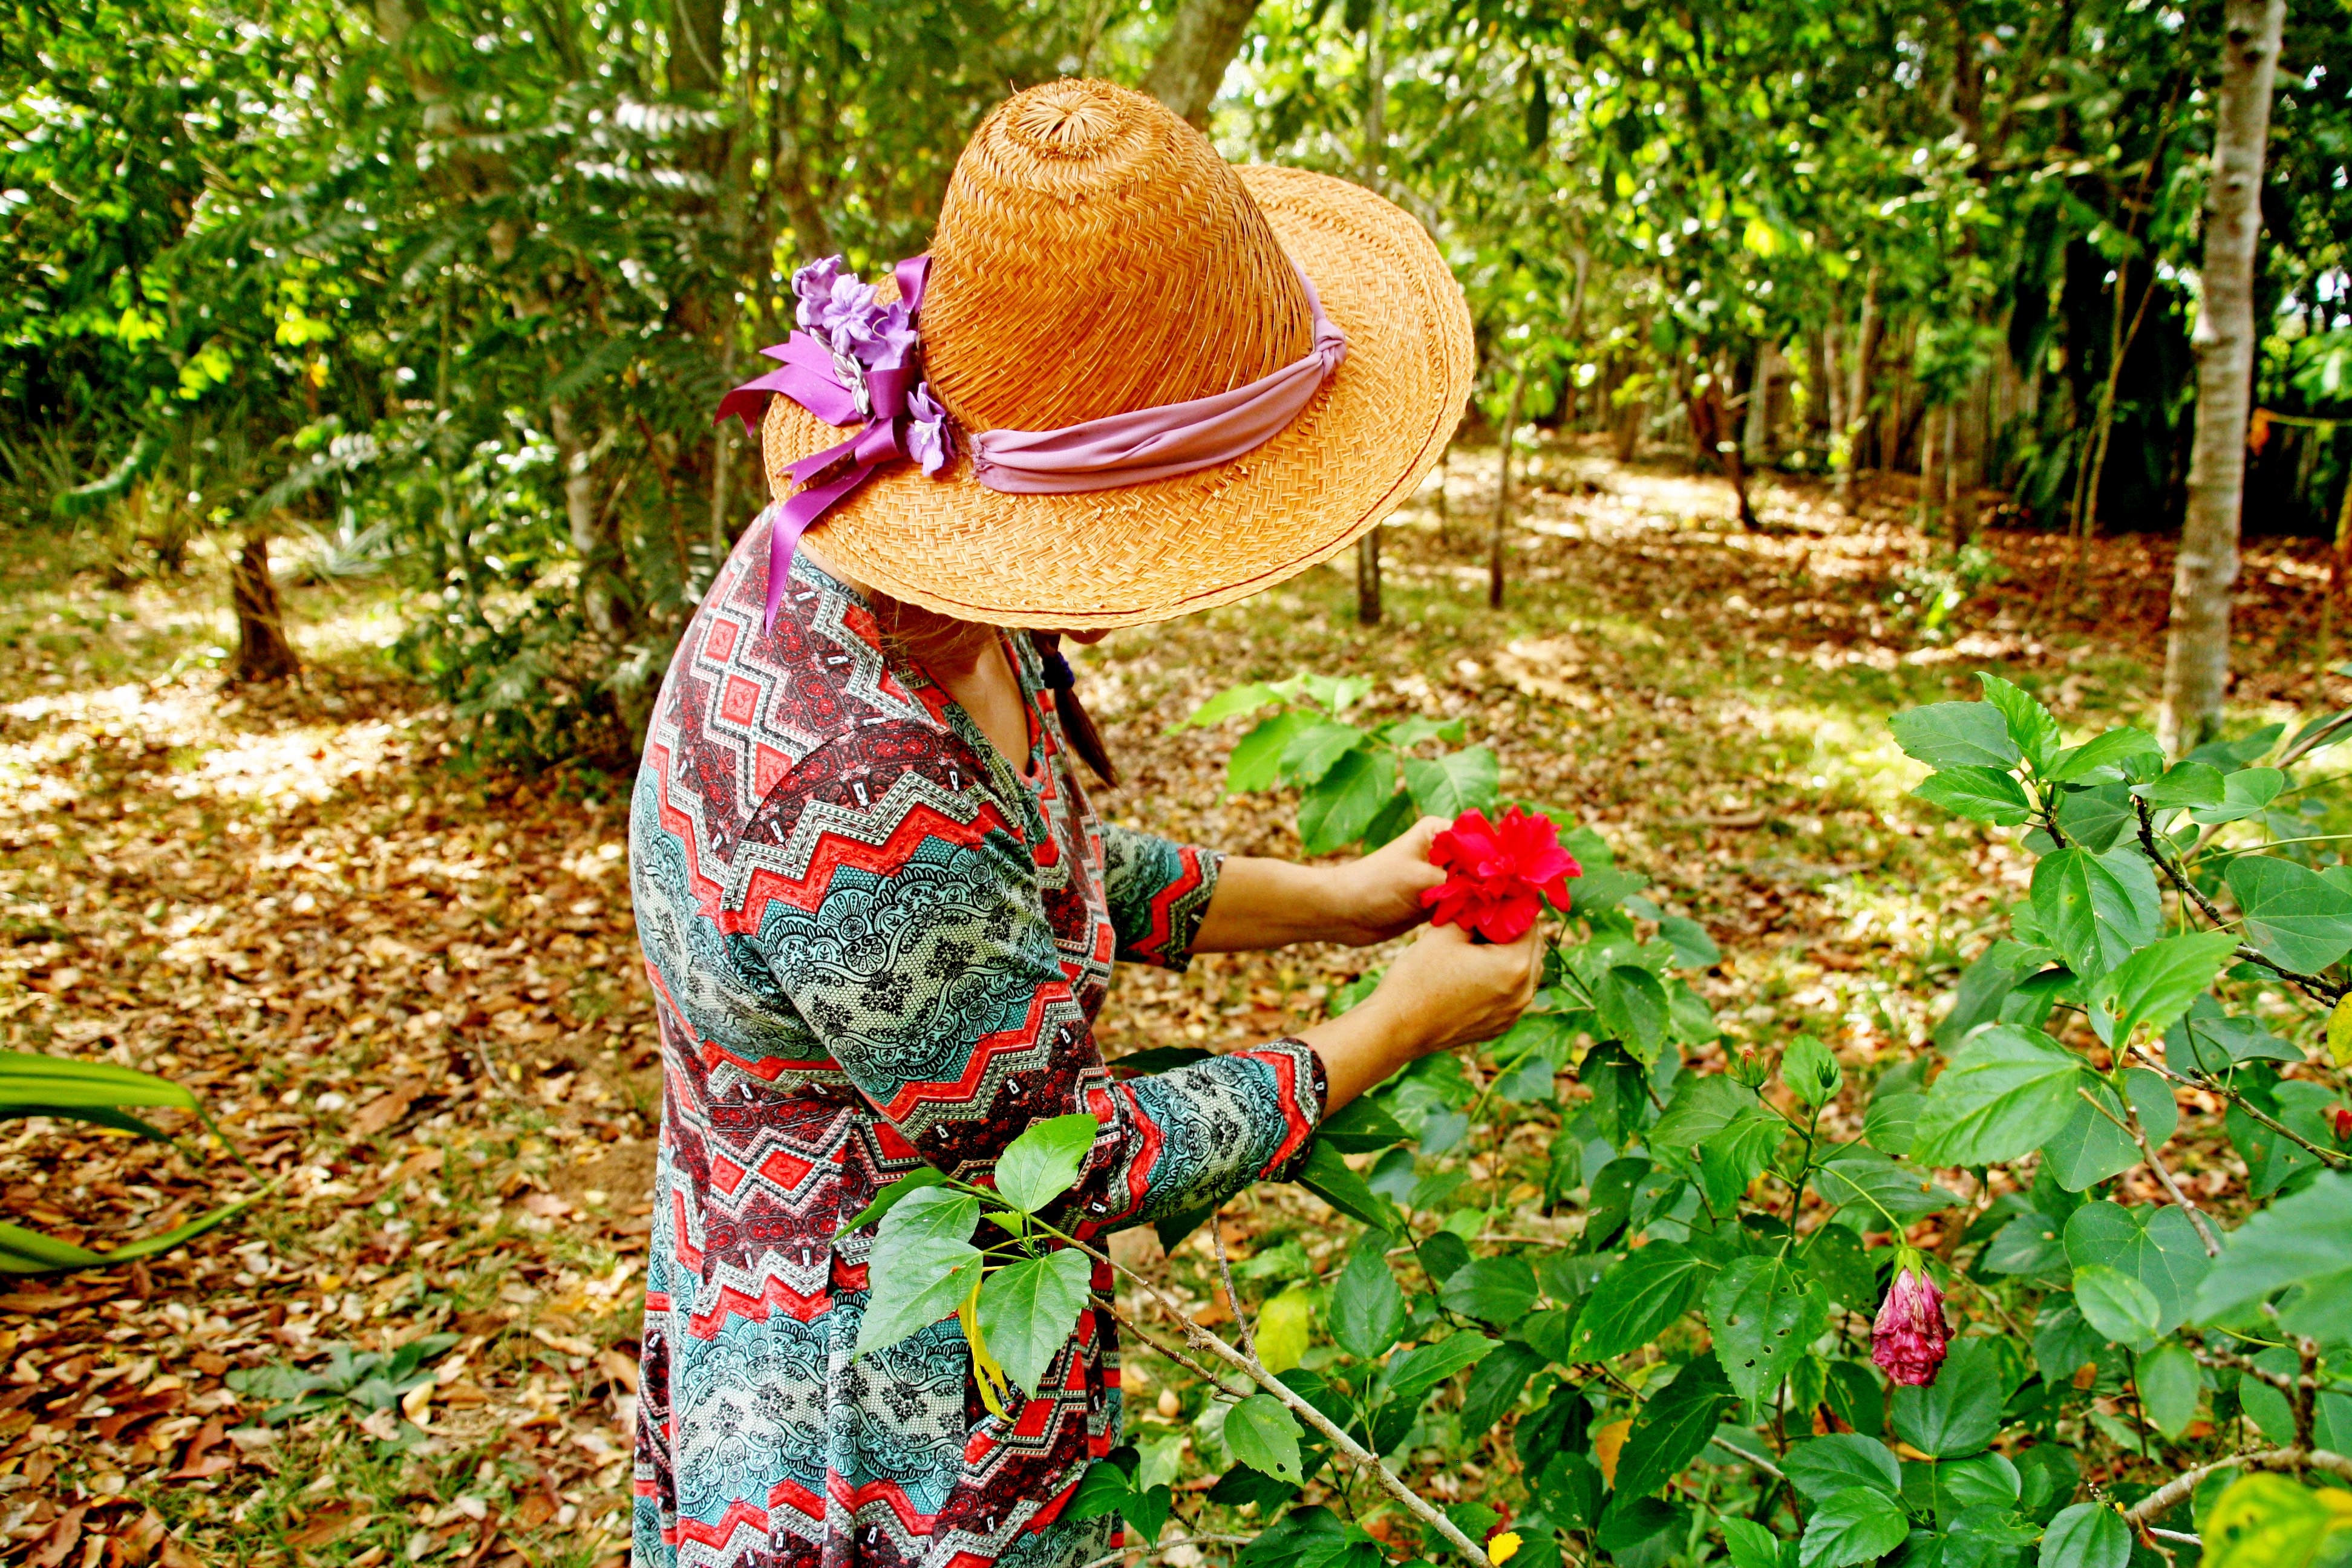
(1828, 351)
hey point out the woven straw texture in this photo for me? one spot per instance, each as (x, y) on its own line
(1095, 257)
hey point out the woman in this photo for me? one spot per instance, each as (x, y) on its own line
(877, 907)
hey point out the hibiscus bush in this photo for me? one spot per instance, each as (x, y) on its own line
(2070, 1284)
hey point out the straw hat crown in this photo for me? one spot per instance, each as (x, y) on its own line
(1094, 256)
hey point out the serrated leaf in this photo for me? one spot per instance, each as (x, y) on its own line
(1694, 949)
(1457, 782)
(1673, 1426)
(2154, 986)
(1764, 1315)
(1980, 795)
(1310, 753)
(1336, 809)
(1809, 1069)
(1632, 1303)
(2096, 910)
(1499, 1290)
(2006, 1093)
(1039, 1166)
(1027, 1311)
(1855, 1176)
(1256, 759)
(2184, 784)
(1264, 1435)
(1821, 1467)
(1231, 703)
(1633, 1008)
(2077, 763)
(1856, 1525)
(1409, 1376)
(2292, 913)
(890, 1196)
(1955, 735)
(1367, 1310)
(1957, 1414)
(2029, 723)
(2087, 1535)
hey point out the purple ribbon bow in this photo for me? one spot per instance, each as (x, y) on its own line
(853, 365)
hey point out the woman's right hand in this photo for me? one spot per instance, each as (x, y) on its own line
(1447, 991)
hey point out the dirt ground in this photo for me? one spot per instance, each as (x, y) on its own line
(409, 995)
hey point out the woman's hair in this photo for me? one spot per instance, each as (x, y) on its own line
(941, 639)
(1076, 723)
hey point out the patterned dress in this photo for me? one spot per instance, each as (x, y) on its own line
(874, 943)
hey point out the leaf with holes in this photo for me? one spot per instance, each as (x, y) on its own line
(1764, 1314)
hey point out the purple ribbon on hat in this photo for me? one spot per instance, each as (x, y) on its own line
(853, 363)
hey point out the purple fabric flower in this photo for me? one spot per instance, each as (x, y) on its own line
(927, 433)
(883, 338)
(842, 314)
(812, 285)
(1907, 1340)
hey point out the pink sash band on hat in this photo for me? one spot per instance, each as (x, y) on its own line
(1159, 443)
(900, 419)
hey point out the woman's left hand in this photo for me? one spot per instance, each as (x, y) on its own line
(1379, 896)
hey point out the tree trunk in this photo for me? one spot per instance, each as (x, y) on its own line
(607, 600)
(1931, 479)
(2196, 651)
(1191, 65)
(1857, 395)
(1368, 577)
(698, 51)
(1962, 454)
(1502, 493)
(263, 654)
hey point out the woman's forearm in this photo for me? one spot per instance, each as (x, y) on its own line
(1262, 903)
(1361, 1048)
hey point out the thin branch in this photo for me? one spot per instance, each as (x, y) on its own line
(2174, 1492)
(2132, 1129)
(2311, 984)
(1233, 1297)
(1165, 1547)
(2214, 1086)
(1179, 1357)
(1355, 1452)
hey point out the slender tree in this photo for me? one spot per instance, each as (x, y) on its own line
(1190, 64)
(2197, 652)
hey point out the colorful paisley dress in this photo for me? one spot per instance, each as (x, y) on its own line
(874, 943)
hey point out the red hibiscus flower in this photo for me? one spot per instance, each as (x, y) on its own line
(1498, 873)
(1909, 1339)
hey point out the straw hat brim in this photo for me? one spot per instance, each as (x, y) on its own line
(1149, 551)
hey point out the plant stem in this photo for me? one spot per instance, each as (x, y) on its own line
(2311, 984)
(1233, 1297)
(2170, 1495)
(1167, 1546)
(1356, 1453)
(2215, 1086)
(2129, 1122)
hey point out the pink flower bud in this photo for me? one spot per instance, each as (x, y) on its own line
(1907, 1340)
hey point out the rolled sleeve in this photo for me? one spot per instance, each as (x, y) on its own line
(1157, 890)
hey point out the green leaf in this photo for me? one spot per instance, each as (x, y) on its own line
(1264, 1435)
(30, 1078)
(1329, 1177)
(1393, 821)
(1360, 1127)
(1980, 795)
(2029, 723)
(1039, 1166)
(24, 1251)
(2268, 1522)
(888, 1197)
(2305, 1240)
(1834, 1261)
(1749, 1543)
(2118, 1306)
(1457, 782)
(2091, 1148)
(1958, 1412)
(2096, 818)
(1569, 1489)
(916, 1278)
(1809, 1070)
(1367, 1310)
(1944, 1489)
(1632, 1303)
(1856, 1525)
(1496, 1384)
(2243, 794)
(1853, 1176)
(1821, 1467)
(2077, 763)
(2155, 1244)
(1100, 1491)
(1633, 1008)
(1892, 1124)
(1313, 750)
(1733, 1156)
(1147, 1510)
(1673, 1424)
(1334, 811)
(1256, 762)
(2169, 1384)
(2088, 1535)
(2183, 785)
(1694, 949)
(2154, 986)
(1028, 1310)
(1412, 1374)
(1955, 735)
(2292, 913)
(2096, 910)
(2006, 1093)
(1764, 1315)
(1499, 1290)
(1230, 703)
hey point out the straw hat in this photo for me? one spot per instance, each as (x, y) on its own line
(1095, 255)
